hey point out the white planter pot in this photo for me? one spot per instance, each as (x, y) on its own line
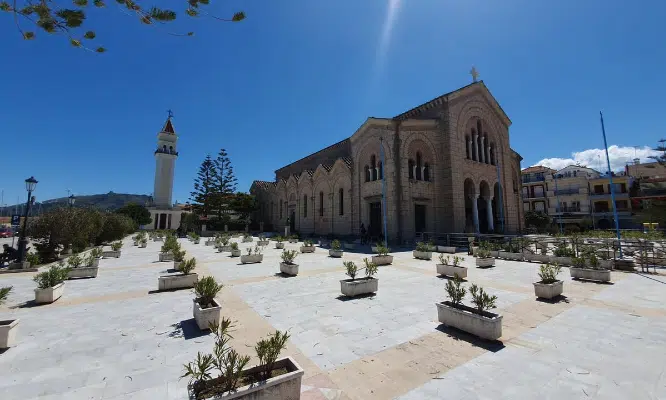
(450, 270)
(494, 253)
(49, 295)
(206, 316)
(349, 246)
(143, 245)
(422, 255)
(210, 243)
(511, 256)
(279, 245)
(111, 253)
(607, 264)
(446, 249)
(8, 333)
(283, 387)
(163, 257)
(358, 287)
(335, 253)
(293, 240)
(262, 242)
(289, 269)
(307, 249)
(382, 260)
(601, 275)
(235, 253)
(196, 241)
(95, 263)
(486, 327)
(540, 258)
(21, 265)
(254, 258)
(548, 290)
(560, 260)
(247, 240)
(485, 262)
(224, 248)
(82, 272)
(178, 281)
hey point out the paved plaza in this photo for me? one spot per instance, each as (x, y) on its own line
(115, 337)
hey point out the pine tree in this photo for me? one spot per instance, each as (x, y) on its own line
(224, 182)
(661, 159)
(204, 187)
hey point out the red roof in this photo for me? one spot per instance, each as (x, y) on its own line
(168, 127)
(537, 168)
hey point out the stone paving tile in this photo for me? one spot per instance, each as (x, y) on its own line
(636, 290)
(333, 332)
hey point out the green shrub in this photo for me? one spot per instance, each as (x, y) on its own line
(4, 293)
(483, 253)
(288, 256)
(234, 246)
(170, 243)
(352, 269)
(308, 243)
(444, 259)
(51, 277)
(335, 245)
(548, 273)
(481, 300)
(206, 289)
(420, 246)
(370, 268)
(457, 260)
(279, 239)
(455, 291)
(593, 261)
(116, 246)
(383, 250)
(578, 262)
(33, 259)
(186, 267)
(268, 351)
(74, 261)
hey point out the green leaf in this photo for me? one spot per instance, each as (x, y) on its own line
(100, 49)
(75, 43)
(192, 12)
(239, 16)
(162, 15)
(48, 24)
(28, 10)
(28, 35)
(81, 3)
(146, 19)
(71, 18)
(190, 33)
(99, 3)
(4, 6)
(89, 35)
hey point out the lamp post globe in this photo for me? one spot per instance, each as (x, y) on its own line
(30, 186)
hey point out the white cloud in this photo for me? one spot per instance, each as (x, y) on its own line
(596, 158)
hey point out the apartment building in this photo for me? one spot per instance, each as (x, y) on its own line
(602, 204)
(648, 185)
(569, 194)
(534, 188)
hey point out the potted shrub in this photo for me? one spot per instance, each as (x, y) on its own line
(178, 256)
(484, 259)
(511, 251)
(115, 250)
(143, 242)
(477, 321)
(355, 287)
(247, 238)
(81, 268)
(382, 257)
(223, 243)
(287, 266)
(542, 257)
(431, 246)
(592, 272)
(548, 286)
(279, 242)
(158, 236)
(92, 260)
(271, 379)
(50, 283)
(422, 251)
(562, 255)
(136, 238)
(235, 251)
(262, 240)
(293, 239)
(252, 257)
(8, 327)
(308, 247)
(210, 241)
(206, 309)
(185, 279)
(196, 239)
(451, 267)
(375, 248)
(34, 260)
(336, 249)
(165, 252)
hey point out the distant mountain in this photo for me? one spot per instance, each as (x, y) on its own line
(108, 201)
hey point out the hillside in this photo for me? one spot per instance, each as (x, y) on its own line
(107, 201)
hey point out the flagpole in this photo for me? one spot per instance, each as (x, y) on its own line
(612, 187)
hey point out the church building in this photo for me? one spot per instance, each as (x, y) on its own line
(162, 211)
(446, 165)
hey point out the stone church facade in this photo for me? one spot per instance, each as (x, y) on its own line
(448, 165)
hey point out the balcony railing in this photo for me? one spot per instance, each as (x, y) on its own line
(530, 179)
(567, 209)
(566, 191)
(617, 194)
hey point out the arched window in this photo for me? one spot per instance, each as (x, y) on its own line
(467, 155)
(280, 208)
(410, 167)
(418, 166)
(474, 155)
(381, 170)
(171, 149)
(164, 148)
(367, 173)
(305, 206)
(426, 172)
(373, 168)
(321, 204)
(341, 201)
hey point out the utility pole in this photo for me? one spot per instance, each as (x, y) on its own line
(610, 177)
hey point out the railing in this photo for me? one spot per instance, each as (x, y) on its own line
(567, 209)
(617, 194)
(530, 179)
(566, 191)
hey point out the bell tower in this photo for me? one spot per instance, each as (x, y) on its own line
(165, 165)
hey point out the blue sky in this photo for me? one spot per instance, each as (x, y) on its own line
(298, 75)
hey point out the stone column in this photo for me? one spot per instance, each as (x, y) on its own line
(414, 171)
(487, 153)
(489, 209)
(469, 148)
(475, 147)
(475, 212)
(483, 146)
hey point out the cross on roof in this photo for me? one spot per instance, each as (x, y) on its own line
(170, 113)
(474, 73)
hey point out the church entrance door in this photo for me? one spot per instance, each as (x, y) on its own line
(419, 218)
(375, 227)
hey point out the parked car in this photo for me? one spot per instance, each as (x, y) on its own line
(6, 232)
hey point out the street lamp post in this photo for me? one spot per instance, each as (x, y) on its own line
(71, 199)
(30, 185)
